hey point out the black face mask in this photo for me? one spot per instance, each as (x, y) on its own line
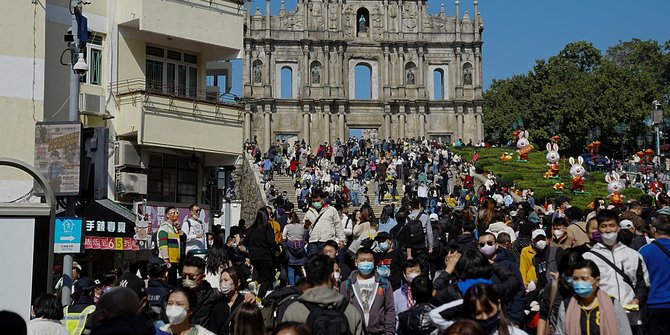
(490, 325)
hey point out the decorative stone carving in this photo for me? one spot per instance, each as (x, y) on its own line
(316, 17)
(393, 14)
(409, 20)
(332, 16)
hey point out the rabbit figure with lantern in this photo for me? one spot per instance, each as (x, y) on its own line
(524, 147)
(615, 187)
(552, 161)
(577, 171)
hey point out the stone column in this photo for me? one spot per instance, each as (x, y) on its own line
(267, 18)
(303, 84)
(401, 122)
(325, 70)
(305, 124)
(247, 125)
(267, 129)
(340, 127)
(458, 22)
(478, 73)
(422, 121)
(459, 76)
(460, 124)
(480, 127)
(326, 123)
(387, 125)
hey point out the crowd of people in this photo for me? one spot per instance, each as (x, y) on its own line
(458, 262)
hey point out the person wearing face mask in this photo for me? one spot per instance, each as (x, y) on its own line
(402, 297)
(488, 246)
(223, 313)
(324, 224)
(656, 255)
(576, 231)
(545, 261)
(180, 308)
(482, 304)
(623, 271)
(553, 295)
(559, 234)
(592, 230)
(216, 260)
(370, 294)
(528, 273)
(390, 261)
(590, 310)
(193, 277)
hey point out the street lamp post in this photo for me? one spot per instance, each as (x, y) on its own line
(657, 122)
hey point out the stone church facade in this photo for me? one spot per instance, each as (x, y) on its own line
(424, 72)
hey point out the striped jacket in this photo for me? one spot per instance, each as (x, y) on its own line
(168, 242)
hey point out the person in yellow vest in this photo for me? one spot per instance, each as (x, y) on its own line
(76, 316)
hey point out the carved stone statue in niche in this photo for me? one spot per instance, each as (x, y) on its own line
(411, 80)
(467, 74)
(316, 73)
(258, 72)
(362, 24)
(392, 13)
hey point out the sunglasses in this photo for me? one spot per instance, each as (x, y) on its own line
(173, 213)
(191, 276)
(482, 244)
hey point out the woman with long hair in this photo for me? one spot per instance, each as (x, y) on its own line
(367, 214)
(223, 313)
(249, 320)
(180, 308)
(386, 220)
(217, 260)
(260, 242)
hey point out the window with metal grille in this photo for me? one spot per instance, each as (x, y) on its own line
(172, 178)
(171, 72)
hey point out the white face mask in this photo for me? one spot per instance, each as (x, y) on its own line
(225, 288)
(541, 244)
(176, 314)
(411, 276)
(488, 250)
(609, 238)
(558, 233)
(336, 276)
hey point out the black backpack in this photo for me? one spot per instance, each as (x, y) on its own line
(415, 234)
(273, 310)
(328, 320)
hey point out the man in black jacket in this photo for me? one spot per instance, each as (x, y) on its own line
(194, 278)
(157, 286)
(489, 247)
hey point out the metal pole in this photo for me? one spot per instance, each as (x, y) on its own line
(658, 141)
(73, 115)
(226, 218)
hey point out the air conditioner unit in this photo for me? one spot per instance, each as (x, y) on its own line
(92, 103)
(127, 154)
(131, 183)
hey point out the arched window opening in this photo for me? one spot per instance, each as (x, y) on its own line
(438, 84)
(363, 83)
(286, 82)
(467, 74)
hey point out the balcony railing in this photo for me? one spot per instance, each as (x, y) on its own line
(139, 85)
(217, 5)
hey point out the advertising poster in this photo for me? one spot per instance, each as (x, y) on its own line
(156, 216)
(58, 155)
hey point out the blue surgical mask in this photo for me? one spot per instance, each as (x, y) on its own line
(366, 268)
(583, 288)
(384, 246)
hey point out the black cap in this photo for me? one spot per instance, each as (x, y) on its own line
(383, 236)
(156, 266)
(84, 283)
(132, 282)
(560, 200)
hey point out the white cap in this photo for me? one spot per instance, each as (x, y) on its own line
(434, 217)
(538, 232)
(626, 224)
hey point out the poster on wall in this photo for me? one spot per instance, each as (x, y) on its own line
(156, 216)
(58, 156)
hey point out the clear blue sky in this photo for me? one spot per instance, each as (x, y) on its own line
(518, 32)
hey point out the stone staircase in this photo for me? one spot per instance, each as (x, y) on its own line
(285, 183)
